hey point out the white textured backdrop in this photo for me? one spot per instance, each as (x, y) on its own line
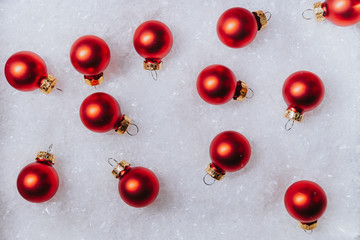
(177, 126)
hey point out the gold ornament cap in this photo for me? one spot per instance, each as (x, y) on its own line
(124, 124)
(213, 173)
(94, 80)
(153, 65)
(120, 167)
(241, 91)
(260, 19)
(319, 12)
(308, 226)
(48, 84)
(293, 115)
(44, 156)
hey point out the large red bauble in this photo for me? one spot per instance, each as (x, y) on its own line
(25, 70)
(303, 91)
(100, 112)
(305, 201)
(230, 151)
(138, 187)
(90, 55)
(37, 182)
(237, 27)
(216, 84)
(153, 40)
(342, 12)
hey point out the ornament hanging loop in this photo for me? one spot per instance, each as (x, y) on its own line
(287, 127)
(50, 148)
(207, 182)
(59, 89)
(251, 95)
(305, 14)
(308, 231)
(154, 75)
(268, 15)
(114, 160)
(134, 127)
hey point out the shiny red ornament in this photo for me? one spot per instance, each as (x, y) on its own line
(27, 71)
(217, 84)
(90, 55)
(306, 202)
(38, 181)
(340, 12)
(302, 91)
(138, 186)
(230, 151)
(153, 41)
(100, 112)
(237, 27)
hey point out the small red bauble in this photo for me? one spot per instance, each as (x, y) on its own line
(302, 91)
(340, 12)
(237, 27)
(138, 186)
(90, 55)
(153, 41)
(38, 181)
(229, 152)
(100, 112)
(306, 202)
(26, 71)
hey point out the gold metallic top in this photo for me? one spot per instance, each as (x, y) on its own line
(124, 124)
(308, 226)
(213, 173)
(119, 168)
(94, 80)
(42, 155)
(262, 20)
(241, 91)
(150, 65)
(319, 12)
(293, 115)
(48, 84)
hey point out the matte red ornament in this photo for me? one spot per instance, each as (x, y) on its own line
(100, 112)
(237, 27)
(302, 91)
(26, 71)
(217, 84)
(306, 202)
(153, 41)
(340, 12)
(138, 186)
(38, 181)
(90, 55)
(230, 151)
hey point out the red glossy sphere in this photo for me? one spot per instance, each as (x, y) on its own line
(342, 12)
(37, 182)
(90, 55)
(138, 187)
(303, 90)
(230, 151)
(153, 40)
(25, 70)
(100, 112)
(216, 84)
(305, 201)
(237, 27)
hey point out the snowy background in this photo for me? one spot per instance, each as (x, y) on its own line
(177, 126)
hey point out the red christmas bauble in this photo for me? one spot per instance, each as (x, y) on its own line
(303, 91)
(25, 71)
(230, 151)
(100, 112)
(153, 40)
(305, 201)
(237, 27)
(90, 55)
(342, 12)
(216, 84)
(37, 182)
(138, 187)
